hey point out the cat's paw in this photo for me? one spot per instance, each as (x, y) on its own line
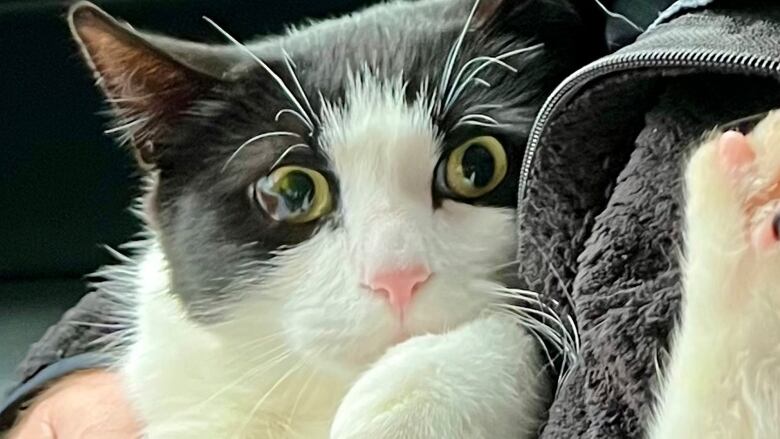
(733, 215)
(722, 379)
(482, 380)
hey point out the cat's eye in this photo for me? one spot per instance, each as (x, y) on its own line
(294, 194)
(476, 167)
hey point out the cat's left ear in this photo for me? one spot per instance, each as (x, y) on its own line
(562, 25)
(150, 81)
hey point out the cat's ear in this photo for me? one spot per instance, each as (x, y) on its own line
(150, 81)
(559, 24)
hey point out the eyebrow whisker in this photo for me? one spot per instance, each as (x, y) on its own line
(254, 139)
(487, 61)
(295, 114)
(287, 151)
(452, 56)
(265, 66)
(291, 68)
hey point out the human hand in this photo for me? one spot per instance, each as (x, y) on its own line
(85, 405)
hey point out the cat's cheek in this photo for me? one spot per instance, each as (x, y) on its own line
(474, 239)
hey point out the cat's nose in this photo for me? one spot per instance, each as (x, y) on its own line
(399, 285)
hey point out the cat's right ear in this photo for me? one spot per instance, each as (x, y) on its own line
(150, 81)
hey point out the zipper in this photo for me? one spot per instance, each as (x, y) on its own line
(657, 58)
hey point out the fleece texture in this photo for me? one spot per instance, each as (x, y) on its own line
(600, 219)
(626, 281)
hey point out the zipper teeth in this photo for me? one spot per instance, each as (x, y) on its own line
(616, 63)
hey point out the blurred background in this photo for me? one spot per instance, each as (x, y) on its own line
(65, 187)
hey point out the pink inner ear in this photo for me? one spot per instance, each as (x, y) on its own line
(146, 86)
(124, 61)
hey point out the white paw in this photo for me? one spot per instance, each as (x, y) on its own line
(480, 381)
(723, 379)
(733, 266)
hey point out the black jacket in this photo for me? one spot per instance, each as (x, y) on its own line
(600, 205)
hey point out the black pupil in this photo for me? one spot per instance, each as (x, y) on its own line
(297, 191)
(478, 165)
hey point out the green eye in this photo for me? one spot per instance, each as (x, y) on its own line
(476, 167)
(294, 194)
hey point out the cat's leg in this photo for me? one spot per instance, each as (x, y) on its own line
(723, 380)
(482, 380)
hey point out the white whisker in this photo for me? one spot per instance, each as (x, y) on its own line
(475, 123)
(519, 294)
(452, 57)
(289, 149)
(296, 114)
(487, 61)
(544, 323)
(262, 64)
(127, 126)
(477, 120)
(483, 117)
(117, 255)
(482, 82)
(291, 68)
(465, 68)
(254, 139)
(541, 314)
(620, 17)
(525, 323)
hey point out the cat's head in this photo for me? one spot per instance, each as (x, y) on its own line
(348, 184)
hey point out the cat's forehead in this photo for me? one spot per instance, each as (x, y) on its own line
(406, 39)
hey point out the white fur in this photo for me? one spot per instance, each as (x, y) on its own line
(723, 380)
(281, 364)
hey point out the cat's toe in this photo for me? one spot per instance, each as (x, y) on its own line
(733, 211)
(736, 153)
(762, 204)
(715, 193)
(733, 187)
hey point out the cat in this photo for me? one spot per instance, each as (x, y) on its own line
(330, 214)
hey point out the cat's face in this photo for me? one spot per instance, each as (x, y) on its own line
(359, 192)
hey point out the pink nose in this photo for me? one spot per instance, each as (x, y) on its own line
(399, 285)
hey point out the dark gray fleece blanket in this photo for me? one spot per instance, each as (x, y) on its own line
(626, 288)
(600, 219)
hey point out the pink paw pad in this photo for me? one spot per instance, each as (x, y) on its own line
(767, 235)
(735, 151)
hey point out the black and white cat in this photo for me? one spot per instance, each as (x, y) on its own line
(330, 214)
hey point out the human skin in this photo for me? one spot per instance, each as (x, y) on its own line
(85, 405)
